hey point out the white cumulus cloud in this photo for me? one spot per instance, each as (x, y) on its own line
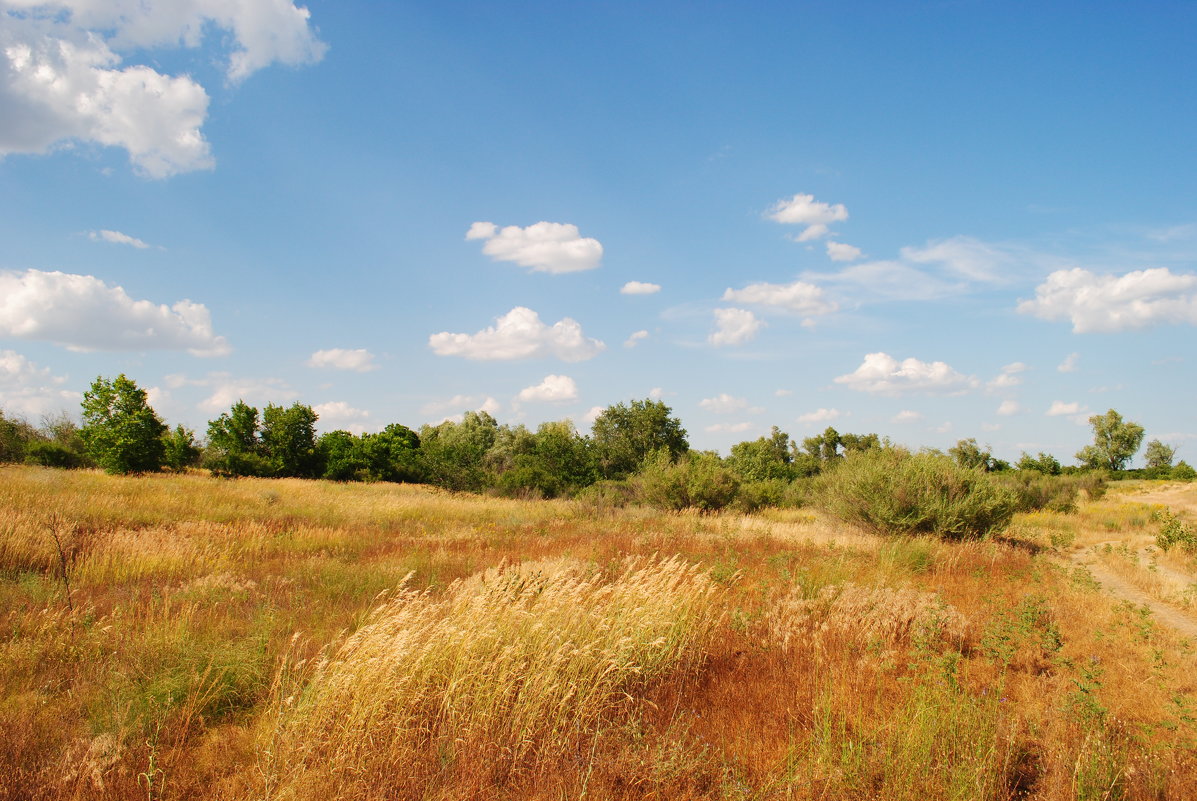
(635, 338)
(544, 246)
(1010, 376)
(639, 288)
(1109, 303)
(799, 297)
(723, 404)
(117, 238)
(359, 360)
(1008, 408)
(906, 416)
(553, 389)
(520, 334)
(820, 416)
(804, 210)
(29, 390)
(1060, 409)
(1069, 363)
(83, 313)
(882, 374)
(838, 251)
(63, 75)
(734, 327)
(339, 412)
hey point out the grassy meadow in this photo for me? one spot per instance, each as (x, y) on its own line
(184, 637)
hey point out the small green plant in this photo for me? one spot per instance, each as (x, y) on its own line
(1174, 532)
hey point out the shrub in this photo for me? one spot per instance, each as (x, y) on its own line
(1034, 490)
(694, 481)
(1174, 532)
(1183, 471)
(891, 491)
(608, 494)
(51, 454)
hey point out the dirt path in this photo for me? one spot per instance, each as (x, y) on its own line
(1110, 581)
(1180, 498)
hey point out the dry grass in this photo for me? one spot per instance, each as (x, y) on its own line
(288, 639)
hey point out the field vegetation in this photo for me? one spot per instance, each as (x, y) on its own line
(175, 636)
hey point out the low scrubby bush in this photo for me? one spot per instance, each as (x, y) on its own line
(892, 491)
(693, 481)
(1174, 532)
(1034, 491)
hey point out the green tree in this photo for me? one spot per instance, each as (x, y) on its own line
(967, 453)
(1114, 442)
(181, 450)
(624, 434)
(764, 459)
(15, 436)
(1043, 463)
(234, 447)
(288, 440)
(1158, 454)
(120, 430)
(453, 455)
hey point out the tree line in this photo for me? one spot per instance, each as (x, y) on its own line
(635, 449)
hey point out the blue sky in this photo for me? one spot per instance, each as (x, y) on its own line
(928, 220)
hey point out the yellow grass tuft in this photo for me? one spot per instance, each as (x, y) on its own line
(522, 664)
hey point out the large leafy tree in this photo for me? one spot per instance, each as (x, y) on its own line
(1158, 454)
(289, 440)
(624, 434)
(234, 446)
(120, 430)
(1115, 441)
(764, 458)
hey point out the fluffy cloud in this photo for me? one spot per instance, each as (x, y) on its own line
(906, 416)
(656, 393)
(734, 327)
(838, 251)
(639, 288)
(553, 389)
(635, 338)
(1008, 408)
(227, 390)
(1069, 363)
(116, 238)
(1108, 303)
(1061, 409)
(723, 404)
(339, 412)
(359, 360)
(799, 297)
(62, 77)
(1009, 377)
(26, 389)
(83, 313)
(882, 374)
(519, 334)
(820, 416)
(544, 247)
(804, 210)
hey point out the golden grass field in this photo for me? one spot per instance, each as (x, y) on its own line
(182, 637)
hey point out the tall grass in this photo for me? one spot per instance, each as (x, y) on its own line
(524, 664)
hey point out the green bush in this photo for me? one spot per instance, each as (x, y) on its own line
(1034, 490)
(1174, 532)
(608, 494)
(892, 491)
(1183, 471)
(51, 454)
(694, 481)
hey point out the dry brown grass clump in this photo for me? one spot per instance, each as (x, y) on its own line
(522, 664)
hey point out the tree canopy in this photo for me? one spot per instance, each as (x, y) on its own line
(1115, 441)
(120, 430)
